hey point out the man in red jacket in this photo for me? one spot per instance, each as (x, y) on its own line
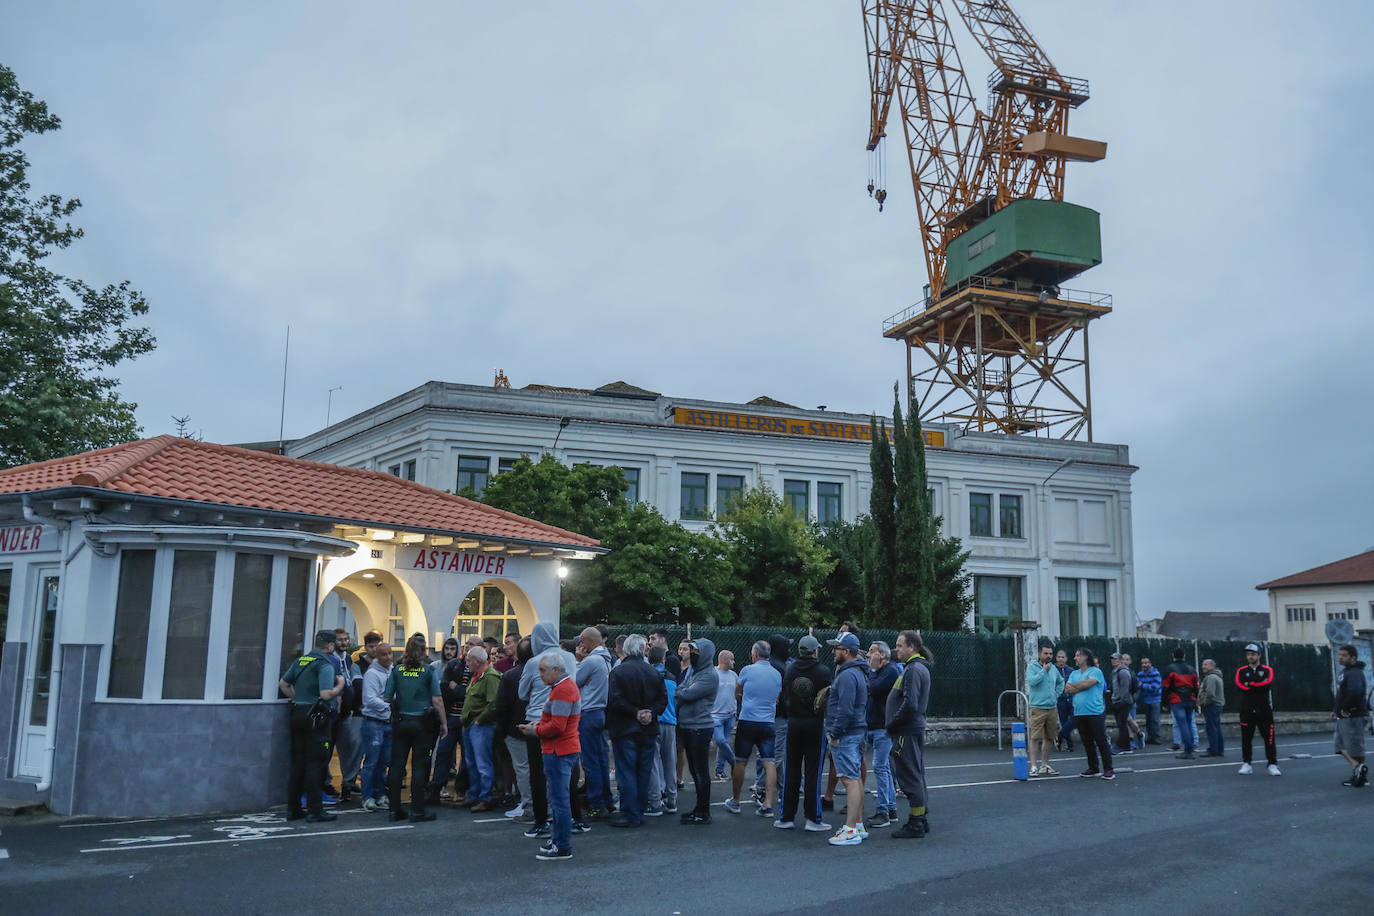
(557, 733)
(1180, 692)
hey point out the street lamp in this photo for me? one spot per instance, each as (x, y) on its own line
(329, 404)
(562, 425)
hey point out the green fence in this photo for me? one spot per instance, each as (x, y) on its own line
(971, 669)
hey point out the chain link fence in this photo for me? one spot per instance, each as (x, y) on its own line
(972, 669)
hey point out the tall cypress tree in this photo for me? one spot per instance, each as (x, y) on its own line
(925, 524)
(880, 568)
(910, 545)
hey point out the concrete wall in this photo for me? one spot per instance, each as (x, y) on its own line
(11, 696)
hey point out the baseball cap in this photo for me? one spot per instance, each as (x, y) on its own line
(1253, 647)
(1116, 655)
(809, 644)
(848, 640)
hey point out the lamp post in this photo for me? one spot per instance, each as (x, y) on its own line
(562, 425)
(329, 404)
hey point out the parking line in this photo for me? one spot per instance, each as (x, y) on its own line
(277, 836)
(1137, 755)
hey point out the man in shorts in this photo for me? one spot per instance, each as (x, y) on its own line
(1352, 715)
(1044, 685)
(846, 723)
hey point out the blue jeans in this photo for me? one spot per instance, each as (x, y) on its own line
(882, 768)
(477, 742)
(663, 791)
(376, 758)
(725, 753)
(443, 753)
(1184, 726)
(634, 766)
(1216, 742)
(558, 770)
(591, 730)
(847, 754)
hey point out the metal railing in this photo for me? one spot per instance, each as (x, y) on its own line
(1025, 699)
(998, 284)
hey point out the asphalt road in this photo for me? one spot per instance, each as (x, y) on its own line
(1170, 836)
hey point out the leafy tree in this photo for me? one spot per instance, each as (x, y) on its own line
(952, 593)
(582, 498)
(778, 560)
(881, 559)
(60, 334)
(842, 596)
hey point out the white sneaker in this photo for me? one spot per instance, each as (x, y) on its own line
(846, 836)
(818, 826)
(1274, 770)
(516, 811)
(370, 805)
(863, 831)
(1034, 771)
(1246, 769)
(783, 825)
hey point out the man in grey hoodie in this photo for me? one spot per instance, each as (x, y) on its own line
(544, 638)
(593, 674)
(695, 697)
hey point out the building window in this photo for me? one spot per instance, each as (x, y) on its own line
(1097, 607)
(1301, 613)
(248, 610)
(395, 623)
(797, 495)
(408, 470)
(980, 515)
(394, 470)
(188, 625)
(1070, 623)
(505, 464)
(473, 471)
(829, 502)
(631, 484)
(133, 608)
(47, 635)
(694, 505)
(485, 612)
(729, 487)
(1009, 516)
(1344, 610)
(996, 602)
(293, 616)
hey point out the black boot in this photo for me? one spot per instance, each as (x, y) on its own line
(913, 829)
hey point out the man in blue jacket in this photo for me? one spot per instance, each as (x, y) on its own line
(846, 723)
(1151, 693)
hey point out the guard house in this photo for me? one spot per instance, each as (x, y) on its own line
(152, 593)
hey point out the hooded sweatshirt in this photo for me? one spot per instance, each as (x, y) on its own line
(697, 692)
(544, 638)
(1351, 687)
(593, 674)
(780, 645)
(1213, 691)
(909, 699)
(804, 679)
(846, 712)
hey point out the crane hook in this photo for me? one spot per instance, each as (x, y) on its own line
(880, 197)
(870, 189)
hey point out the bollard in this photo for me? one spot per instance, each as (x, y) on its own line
(1020, 766)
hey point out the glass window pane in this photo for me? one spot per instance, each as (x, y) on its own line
(188, 625)
(408, 470)
(248, 626)
(997, 601)
(1009, 511)
(493, 601)
(797, 495)
(42, 681)
(829, 502)
(505, 464)
(631, 484)
(473, 471)
(133, 606)
(293, 613)
(1097, 607)
(729, 487)
(980, 514)
(1069, 619)
(5, 575)
(694, 505)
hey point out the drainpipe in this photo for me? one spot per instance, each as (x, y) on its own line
(65, 528)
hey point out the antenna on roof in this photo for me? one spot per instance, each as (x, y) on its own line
(281, 430)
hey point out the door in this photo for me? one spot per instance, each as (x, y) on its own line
(39, 709)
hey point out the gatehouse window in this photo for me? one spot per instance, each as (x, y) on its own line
(486, 611)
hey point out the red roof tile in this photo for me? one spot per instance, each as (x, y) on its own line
(175, 468)
(1359, 568)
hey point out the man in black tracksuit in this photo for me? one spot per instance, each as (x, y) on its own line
(805, 678)
(905, 720)
(1256, 712)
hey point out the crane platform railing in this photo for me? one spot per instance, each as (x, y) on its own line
(997, 284)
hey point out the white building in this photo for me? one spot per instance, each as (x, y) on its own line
(1048, 521)
(1301, 604)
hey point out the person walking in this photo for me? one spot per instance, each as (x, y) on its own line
(1044, 687)
(1254, 681)
(1085, 685)
(905, 721)
(805, 678)
(1151, 695)
(558, 734)
(1351, 715)
(1211, 697)
(635, 699)
(414, 688)
(1064, 740)
(695, 697)
(846, 722)
(1180, 691)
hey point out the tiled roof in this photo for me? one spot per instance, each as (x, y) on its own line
(175, 468)
(1359, 568)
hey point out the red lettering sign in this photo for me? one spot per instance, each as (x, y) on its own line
(21, 539)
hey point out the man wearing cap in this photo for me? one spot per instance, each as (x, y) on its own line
(805, 678)
(1256, 713)
(846, 722)
(308, 679)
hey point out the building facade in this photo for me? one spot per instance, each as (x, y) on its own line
(1048, 521)
(1301, 604)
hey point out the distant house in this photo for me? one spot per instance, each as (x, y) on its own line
(1301, 604)
(1242, 626)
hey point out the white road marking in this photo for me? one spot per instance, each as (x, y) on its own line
(492, 820)
(4, 853)
(279, 836)
(1194, 766)
(1137, 754)
(145, 840)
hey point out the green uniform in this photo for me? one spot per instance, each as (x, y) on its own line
(310, 674)
(413, 689)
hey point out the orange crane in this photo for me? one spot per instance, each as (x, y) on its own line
(1007, 344)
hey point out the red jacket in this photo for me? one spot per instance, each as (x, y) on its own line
(557, 728)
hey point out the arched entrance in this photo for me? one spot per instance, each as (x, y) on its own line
(494, 608)
(375, 599)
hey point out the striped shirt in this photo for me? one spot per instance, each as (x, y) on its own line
(557, 728)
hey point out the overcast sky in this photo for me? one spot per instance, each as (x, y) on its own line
(673, 195)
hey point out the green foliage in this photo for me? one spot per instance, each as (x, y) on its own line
(881, 557)
(914, 524)
(59, 332)
(778, 560)
(842, 595)
(584, 498)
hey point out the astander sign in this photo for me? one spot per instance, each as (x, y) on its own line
(478, 562)
(21, 539)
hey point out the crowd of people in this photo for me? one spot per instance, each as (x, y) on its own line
(529, 726)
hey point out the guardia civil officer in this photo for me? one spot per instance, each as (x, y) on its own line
(309, 680)
(413, 690)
